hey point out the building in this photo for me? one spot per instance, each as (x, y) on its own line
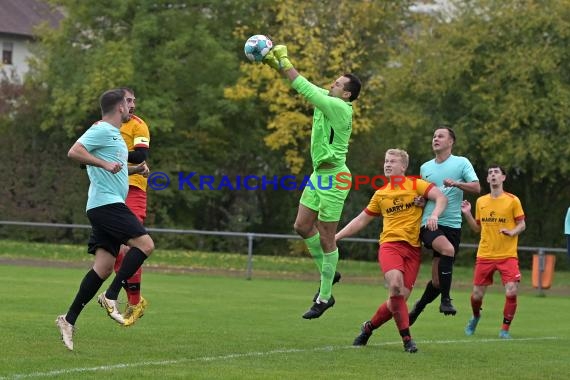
(18, 22)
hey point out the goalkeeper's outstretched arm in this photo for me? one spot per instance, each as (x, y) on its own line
(277, 59)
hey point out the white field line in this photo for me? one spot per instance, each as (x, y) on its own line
(69, 371)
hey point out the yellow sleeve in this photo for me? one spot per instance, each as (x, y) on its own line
(374, 207)
(422, 187)
(141, 135)
(518, 212)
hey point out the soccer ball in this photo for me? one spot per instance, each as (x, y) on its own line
(256, 47)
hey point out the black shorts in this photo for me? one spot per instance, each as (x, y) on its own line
(112, 225)
(452, 234)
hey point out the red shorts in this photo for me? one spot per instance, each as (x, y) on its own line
(401, 256)
(136, 202)
(485, 268)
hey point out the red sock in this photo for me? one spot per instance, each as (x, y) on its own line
(400, 312)
(119, 260)
(134, 287)
(382, 315)
(476, 306)
(509, 311)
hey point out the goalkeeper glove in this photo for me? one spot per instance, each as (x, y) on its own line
(280, 52)
(271, 61)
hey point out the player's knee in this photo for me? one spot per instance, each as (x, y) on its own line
(103, 271)
(395, 290)
(477, 295)
(302, 229)
(443, 247)
(145, 244)
(511, 290)
(148, 247)
(447, 250)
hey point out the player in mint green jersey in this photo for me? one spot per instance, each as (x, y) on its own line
(104, 152)
(320, 209)
(453, 175)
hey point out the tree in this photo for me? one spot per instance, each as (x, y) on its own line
(324, 39)
(178, 57)
(494, 70)
(33, 186)
(497, 72)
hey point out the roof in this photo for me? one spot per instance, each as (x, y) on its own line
(19, 17)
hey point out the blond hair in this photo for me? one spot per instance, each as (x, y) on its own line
(400, 153)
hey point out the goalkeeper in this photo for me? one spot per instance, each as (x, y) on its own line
(320, 209)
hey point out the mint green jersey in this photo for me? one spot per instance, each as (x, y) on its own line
(104, 141)
(456, 168)
(332, 124)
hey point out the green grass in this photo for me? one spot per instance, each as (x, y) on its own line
(263, 266)
(210, 326)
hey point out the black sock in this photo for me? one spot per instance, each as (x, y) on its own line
(445, 270)
(87, 290)
(430, 293)
(133, 260)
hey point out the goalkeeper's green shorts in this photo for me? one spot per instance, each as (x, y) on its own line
(326, 192)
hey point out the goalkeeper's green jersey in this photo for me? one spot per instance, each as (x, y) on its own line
(332, 124)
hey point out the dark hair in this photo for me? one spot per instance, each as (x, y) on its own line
(496, 166)
(353, 86)
(448, 128)
(127, 89)
(109, 100)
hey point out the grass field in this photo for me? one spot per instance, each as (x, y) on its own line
(205, 325)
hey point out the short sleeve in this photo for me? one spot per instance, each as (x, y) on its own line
(374, 207)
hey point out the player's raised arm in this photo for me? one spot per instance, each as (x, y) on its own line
(466, 211)
(280, 52)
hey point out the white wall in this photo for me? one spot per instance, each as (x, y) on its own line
(20, 55)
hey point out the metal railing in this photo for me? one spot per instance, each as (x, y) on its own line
(541, 251)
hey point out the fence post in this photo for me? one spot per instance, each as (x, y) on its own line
(541, 265)
(249, 255)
